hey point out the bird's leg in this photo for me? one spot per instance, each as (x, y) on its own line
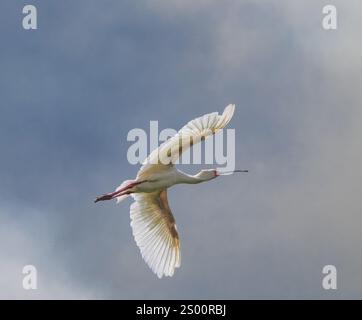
(104, 197)
(117, 193)
(110, 196)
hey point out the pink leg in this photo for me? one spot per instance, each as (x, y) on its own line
(120, 192)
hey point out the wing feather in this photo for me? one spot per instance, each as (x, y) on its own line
(193, 132)
(155, 232)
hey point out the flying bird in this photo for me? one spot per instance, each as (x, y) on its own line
(153, 224)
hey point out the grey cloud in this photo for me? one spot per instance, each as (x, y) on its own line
(93, 71)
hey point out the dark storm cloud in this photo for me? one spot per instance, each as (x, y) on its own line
(95, 70)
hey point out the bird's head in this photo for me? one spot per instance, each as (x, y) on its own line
(209, 174)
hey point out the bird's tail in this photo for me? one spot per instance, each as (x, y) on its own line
(122, 186)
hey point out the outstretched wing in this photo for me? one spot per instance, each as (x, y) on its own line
(155, 232)
(193, 132)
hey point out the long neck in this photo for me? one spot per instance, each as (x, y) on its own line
(186, 178)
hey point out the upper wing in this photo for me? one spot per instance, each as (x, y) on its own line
(155, 232)
(193, 132)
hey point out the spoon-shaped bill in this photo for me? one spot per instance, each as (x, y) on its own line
(225, 173)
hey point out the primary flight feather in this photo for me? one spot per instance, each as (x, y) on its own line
(152, 221)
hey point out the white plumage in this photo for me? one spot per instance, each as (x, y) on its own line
(152, 221)
(155, 232)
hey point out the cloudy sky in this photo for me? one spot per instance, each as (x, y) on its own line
(93, 70)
